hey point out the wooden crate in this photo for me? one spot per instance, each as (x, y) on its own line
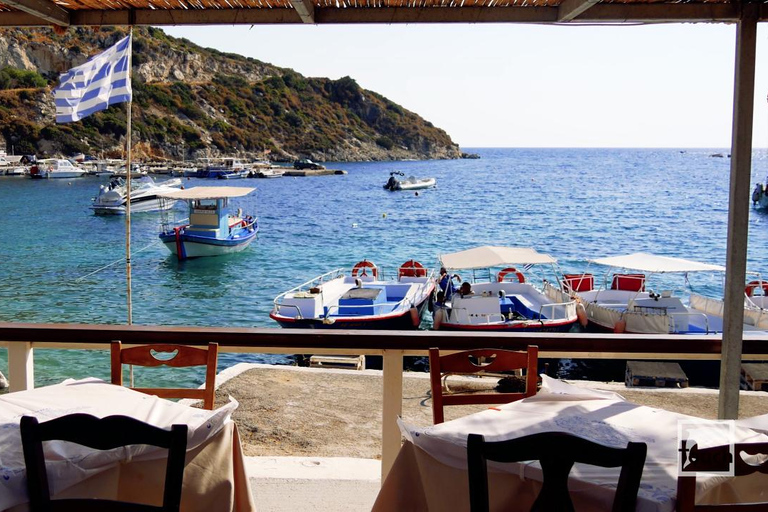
(655, 374)
(754, 376)
(345, 362)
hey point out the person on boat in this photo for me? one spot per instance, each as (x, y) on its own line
(445, 283)
(466, 289)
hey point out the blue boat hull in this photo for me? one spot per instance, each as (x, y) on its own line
(187, 245)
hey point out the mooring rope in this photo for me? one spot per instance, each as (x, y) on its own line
(121, 260)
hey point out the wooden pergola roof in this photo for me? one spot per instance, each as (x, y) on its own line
(229, 12)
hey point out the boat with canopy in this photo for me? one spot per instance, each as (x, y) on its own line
(213, 228)
(503, 300)
(624, 303)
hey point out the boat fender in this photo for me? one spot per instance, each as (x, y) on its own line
(415, 316)
(581, 314)
(438, 318)
(620, 326)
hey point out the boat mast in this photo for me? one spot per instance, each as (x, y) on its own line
(128, 191)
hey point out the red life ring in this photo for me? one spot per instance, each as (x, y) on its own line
(752, 285)
(511, 270)
(364, 265)
(412, 268)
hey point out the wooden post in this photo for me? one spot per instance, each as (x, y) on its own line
(738, 212)
(21, 366)
(392, 408)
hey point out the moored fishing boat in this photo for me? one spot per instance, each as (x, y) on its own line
(144, 196)
(625, 304)
(505, 300)
(409, 183)
(360, 299)
(214, 229)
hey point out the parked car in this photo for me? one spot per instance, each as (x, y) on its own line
(306, 163)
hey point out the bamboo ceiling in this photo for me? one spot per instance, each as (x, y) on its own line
(249, 12)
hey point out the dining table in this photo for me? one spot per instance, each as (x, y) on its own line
(430, 471)
(214, 472)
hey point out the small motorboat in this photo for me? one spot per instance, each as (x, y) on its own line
(55, 168)
(268, 172)
(626, 304)
(144, 196)
(360, 299)
(213, 228)
(760, 196)
(235, 175)
(409, 183)
(505, 300)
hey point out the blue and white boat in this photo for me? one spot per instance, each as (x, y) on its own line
(214, 229)
(360, 299)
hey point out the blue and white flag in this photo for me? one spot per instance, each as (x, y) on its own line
(102, 81)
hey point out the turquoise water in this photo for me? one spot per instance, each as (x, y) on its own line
(572, 203)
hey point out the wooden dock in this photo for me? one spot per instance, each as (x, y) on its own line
(655, 374)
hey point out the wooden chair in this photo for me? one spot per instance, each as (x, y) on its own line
(186, 356)
(686, 485)
(465, 363)
(101, 434)
(556, 452)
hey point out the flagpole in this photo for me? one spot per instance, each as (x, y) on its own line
(128, 191)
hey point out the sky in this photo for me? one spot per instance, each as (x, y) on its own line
(515, 85)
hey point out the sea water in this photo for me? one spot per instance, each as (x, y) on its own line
(61, 263)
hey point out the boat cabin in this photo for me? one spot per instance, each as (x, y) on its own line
(209, 217)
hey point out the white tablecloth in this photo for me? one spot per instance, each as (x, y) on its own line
(434, 458)
(212, 436)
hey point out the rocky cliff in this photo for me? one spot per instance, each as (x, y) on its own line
(192, 102)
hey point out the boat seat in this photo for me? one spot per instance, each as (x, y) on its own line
(518, 304)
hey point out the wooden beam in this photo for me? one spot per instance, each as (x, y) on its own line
(306, 10)
(600, 13)
(42, 9)
(569, 9)
(165, 17)
(579, 345)
(738, 212)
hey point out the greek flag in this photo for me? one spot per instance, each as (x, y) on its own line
(102, 81)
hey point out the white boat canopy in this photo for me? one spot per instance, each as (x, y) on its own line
(490, 256)
(645, 262)
(207, 193)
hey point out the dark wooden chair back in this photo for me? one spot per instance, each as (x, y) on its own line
(466, 363)
(556, 452)
(686, 485)
(101, 434)
(143, 355)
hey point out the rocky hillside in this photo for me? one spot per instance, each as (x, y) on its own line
(192, 102)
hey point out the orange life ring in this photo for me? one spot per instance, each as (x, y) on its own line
(364, 265)
(412, 268)
(511, 270)
(752, 285)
